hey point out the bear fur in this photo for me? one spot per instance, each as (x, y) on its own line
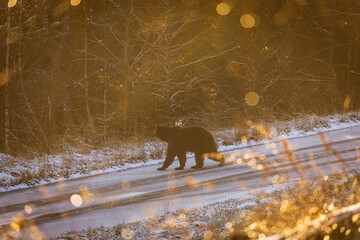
(189, 139)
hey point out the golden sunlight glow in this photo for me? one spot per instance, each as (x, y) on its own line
(208, 234)
(76, 200)
(261, 236)
(15, 226)
(252, 98)
(127, 233)
(171, 222)
(334, 226)
(16, 221)
(355, 217)
(223, 9)
(2, 79)
(347, 102)
(182, 217)
(85, 194)
(28, 209)
(191, 182)
(12, 3)
(228, 225)
(75, 2)
(171, 185)
(247, 21)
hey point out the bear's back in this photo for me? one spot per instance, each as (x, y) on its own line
(195, 139)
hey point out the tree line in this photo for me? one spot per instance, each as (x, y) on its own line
(104, 70)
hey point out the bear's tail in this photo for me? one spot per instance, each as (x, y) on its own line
(216, 157)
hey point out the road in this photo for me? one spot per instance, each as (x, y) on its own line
(141, 192)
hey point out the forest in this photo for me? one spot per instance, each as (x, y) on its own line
(99, 71)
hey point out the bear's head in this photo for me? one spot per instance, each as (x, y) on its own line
(165, 133)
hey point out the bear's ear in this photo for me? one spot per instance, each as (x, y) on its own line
(158, 127)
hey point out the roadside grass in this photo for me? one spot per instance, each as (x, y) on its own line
(255, 131)
(74, 162)
(85, 159)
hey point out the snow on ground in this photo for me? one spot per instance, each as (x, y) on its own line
(18, 173)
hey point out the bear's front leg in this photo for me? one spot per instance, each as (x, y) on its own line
(182, 159)
(170, 155)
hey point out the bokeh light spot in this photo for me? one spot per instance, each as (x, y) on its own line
(261, 236)
(15, 226)
(223, 9)
(76, 200)
(228, 225)
(28, 209)
(247, 21)
(75, 2)
(12, 3)
(127, 233)
(191, 182)
(252, 98)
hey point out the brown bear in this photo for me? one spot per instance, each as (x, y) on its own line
(189, 139)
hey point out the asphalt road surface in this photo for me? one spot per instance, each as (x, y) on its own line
(137, 193)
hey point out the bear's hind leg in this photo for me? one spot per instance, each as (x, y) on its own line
(182, 159)
(199, 158)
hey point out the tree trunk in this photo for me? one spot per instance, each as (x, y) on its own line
(127, 86)
(6, 92)
(86, 83)
(105, 85)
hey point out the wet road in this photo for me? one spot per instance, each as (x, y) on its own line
(137, 193)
